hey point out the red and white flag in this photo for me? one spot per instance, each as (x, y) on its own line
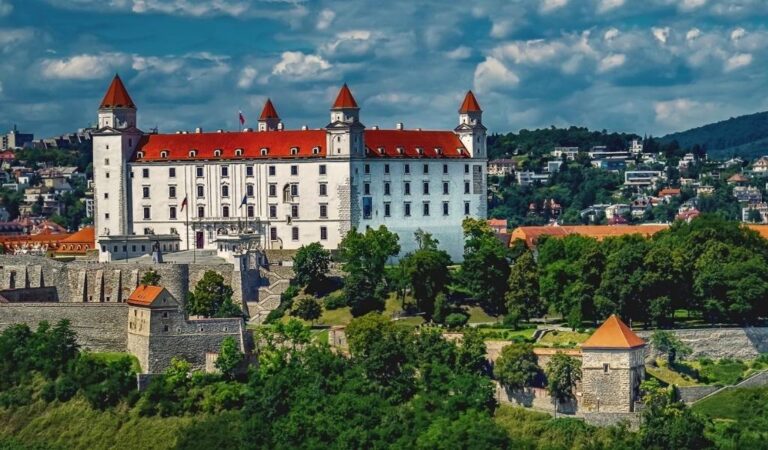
(242, 117)
(183, 204)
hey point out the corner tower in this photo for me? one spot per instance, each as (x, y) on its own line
(471, 130)
(269, 120)
(345, 132)
(117, 109)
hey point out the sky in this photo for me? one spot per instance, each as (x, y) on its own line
(643, 66)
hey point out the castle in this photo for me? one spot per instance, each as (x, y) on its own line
(283, 188)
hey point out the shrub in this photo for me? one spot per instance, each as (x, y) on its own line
(335, 301)
(65, 388)
(456, 320)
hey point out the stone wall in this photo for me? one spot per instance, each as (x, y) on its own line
(37, 294)
(99, 326)
(718, 343)
(610, 379)
(691, 394)
(536, 398)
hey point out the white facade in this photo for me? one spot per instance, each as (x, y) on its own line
(289, 188)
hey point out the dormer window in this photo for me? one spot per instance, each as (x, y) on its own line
(438, 151)
(238, 152)
(264, 151)
(140, 155)
(164, 154)
(459, 150)
(193, 153)
(419, 150)
(294, 150)
(400, 150)
(315, 150)
(380, 150)
(217, 152)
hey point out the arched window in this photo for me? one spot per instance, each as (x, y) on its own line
(217, 153)
(294, 150)
(238, 152)
(140, 155)
(381, 150)
(193, 153)
(316, 150)
(164, 154)
(264, 151)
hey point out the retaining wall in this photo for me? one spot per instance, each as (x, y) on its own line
(718, 343)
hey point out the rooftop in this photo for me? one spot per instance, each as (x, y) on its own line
(144, 295)
(117, 96)
(613, 333)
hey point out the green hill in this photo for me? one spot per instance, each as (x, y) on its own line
(744, 136)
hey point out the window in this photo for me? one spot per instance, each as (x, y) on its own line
(323, 233)
(322, 169)
(445, 169)
(171, 172)
(445, 188)
(466, 208)
(366, 188)
(294, 170)
(407, 168)
(217, 153)
(273, 234)
(387, 209)
(466, 187)
(294, 190)
(272, 211)
(145, 191)
(466, 168)
(425, 188)
(367, 168)
(386, 188)
(271, 171)
(225, 190)
(273, 190)
(323, 211)
(192, 153)
(106, 195)
(295, 211)
(201, 211)
(225, 211)
(249, 190)
(264, 151)
(106, 160)
(426, 169)
(446, 209)
(250, 211)
(295, 233)
(249, 171)
(426, 209)
(323, 189)
(171, 191)
(199, 172)
(605, 367)
(294, 150)
(145, 173)
(106, 216)
(224, 171)
(106, 174)
(386, 169)
(407, 188)
(146, 213)
(407, 209)
(172, 213)
(315, 150)
(238, 152)
(200, 191)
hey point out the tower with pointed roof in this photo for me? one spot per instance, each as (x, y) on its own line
(117, 109)
(613, 366)
(345, 132)
(471, 130)
(269, 120)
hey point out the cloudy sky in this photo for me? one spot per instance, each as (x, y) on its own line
(647, 66)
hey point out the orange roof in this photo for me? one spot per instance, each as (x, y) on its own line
(531, 234)
(144, 295)
(470, 104)
(433, 144)
(86, 235)
(117, 96)
(345, 99)
(613, 333)
(762, 230)
(269, 111)
(669, 191)
(738, 178)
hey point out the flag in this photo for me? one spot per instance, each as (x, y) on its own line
(245, 200)
(242, 117)
(183, 204)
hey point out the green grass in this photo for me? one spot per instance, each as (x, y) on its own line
(114, 356)
(735, 404)
(478, 315)
(559, 338)
(490, 334)
(724, 371)
(674, 376)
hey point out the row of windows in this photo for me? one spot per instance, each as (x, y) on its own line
(425, 209)
(135, 248)
(295, 233)
(407, 169)
(407, 188)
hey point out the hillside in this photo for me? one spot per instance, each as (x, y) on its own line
(744, 136)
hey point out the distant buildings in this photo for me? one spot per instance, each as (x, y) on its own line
(501, 167)
(569, 152)
(527, 178)
(13, 139)
(642, 178)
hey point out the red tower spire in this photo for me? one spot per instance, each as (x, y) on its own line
(117, 96)
(470, 104)
(345, 99)
(269, 111)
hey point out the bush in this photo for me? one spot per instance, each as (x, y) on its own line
(335, 301)
(291, 292)
(456, 320)
(65, 388)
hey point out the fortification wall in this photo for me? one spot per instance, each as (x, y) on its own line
(99, 326)
(717, 343)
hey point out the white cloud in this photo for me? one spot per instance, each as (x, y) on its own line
(692, 34)
(300, 66)
(501, 28)
(738, 61)
(350, 43)
(84, 67)
(461, 52)
(738, 33)
(683, 112)
(551, 5)
(611, 62)
(611, 34)
(604, 6)
(492, 74)
(5, 7)
(688, 5)
(325, 18)
(10, 38)
(530, 52)
(165, 65)
(661, 34)
(247, 76)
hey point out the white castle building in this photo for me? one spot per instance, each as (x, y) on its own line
(282, 188)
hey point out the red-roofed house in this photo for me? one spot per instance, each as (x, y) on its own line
(287, 187)
(77, 244)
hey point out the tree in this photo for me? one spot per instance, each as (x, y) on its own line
(471, 430)
(230, 357)
(471, 354)
(754, 216)
(212, 297)
(563, 372)
(426, 270)
(307, 308)
(485, 269)
(151, 278)
(516, 366)
(310, 264)
(668, 342)
(364, 256)
(523, 295)
(668, 423)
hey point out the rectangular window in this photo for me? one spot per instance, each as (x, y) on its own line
(367, 207)
(145, 191)
(323, 233)
(407, 209)
(295, 233)
(366, 188)
(273, 190)
(172, 213)
(225, 211)
(446, 209)
(145, 173)
(407, 168)
(466, 187)
(367, 168)
(225, 190)
(171, 191)
(387, 209)
(250, 211)
(605, 367)
(323, 189)
(200, 191)
(386, 188)
(272, 211)
(445, 169)
(106, 215)
(171, 172)
(106, 174)
(106, 195)
(323, 211)
(322, 169)
(407, 188)
(426, 209)
(386, 169)
(466, 208)
(466, 168)
(426, 169)
(295, 211)
(445, 188)
(271, 171)
(248, 171)
(294, 190)
(201, 211)
(273, 234)
(294, 170)
(199, 172)
(106, 160)
(224, 171)
(146, 213)
(425, 188)
(249, 190)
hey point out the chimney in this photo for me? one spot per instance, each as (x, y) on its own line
(198, 130)
(399, 126)
(219, 130)
(418, 129)
(178, 131)
(375, 127)
(280, 126)
(247, 130)
(304, 128)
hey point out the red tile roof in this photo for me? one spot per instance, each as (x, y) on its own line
(470, 104)
(269, 111)
(78, 243)
(613, 334)
(531, 235)
(144, 295)
(345, 99)
(433, 144)
(117, 96)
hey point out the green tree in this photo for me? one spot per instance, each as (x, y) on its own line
(472, 353)
(523, 295)
(485, 269)
(563, 372)
(668, 423)
(151, 278)
(516, 367)
(441, 308)
(230, 358)
(754, 216)
(471, 430)
(668, 342)
(307, 308)
(212, 298)
(310, 264)
(426, 270)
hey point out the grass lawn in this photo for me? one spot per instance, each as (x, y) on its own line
(491, 334)
(735, 404)
(559, 338)
(114, 356)
(478, 315)
(669, 375)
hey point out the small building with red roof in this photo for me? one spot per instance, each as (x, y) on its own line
(77, 244)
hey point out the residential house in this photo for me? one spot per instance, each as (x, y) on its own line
(570, 153)
(501, 167)
(747, 194)
(761, 208)
(642, 178)
(527, 178)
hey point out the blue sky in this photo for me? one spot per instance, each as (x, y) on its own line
(649, 66)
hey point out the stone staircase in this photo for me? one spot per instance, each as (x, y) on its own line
(275, 281)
